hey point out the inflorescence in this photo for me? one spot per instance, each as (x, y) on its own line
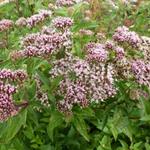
(34, 20)
(48, 41)
(93, 78)
(7, 105)
(5, 25)
(62, 3)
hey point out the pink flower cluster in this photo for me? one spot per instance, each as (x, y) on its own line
(144, 47)
(62, 3)
(122, 34)
(5, 25)
(7, 106)
(33, 20)
(75, 94)
(62, 22)
(47, 30)
(141, 72)
(92, 82)
(97, 52)
(38, 18)
(54, 39)
(29, 39)
(135, 66)
(7, 88)
(110, 45)
(46, 42)
(120, 54)
(37, 45)
(93, 79)
(18, 75)
(33, 51)
(100, 52)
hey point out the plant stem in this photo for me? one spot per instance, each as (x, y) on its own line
(17, 7)
(6, 38)
(29, 7)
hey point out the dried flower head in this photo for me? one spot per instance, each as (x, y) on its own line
(86, 32)
(21, 22)
(5, 25)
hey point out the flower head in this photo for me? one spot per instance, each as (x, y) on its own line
(62, 22)
(5, 24)
(97, 52)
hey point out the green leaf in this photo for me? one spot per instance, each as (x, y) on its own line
(61, 12)
(100, 148)
(114, 131)
(106, 142)
(146, 118)
(120, 124)
(56, 120)
(47, 147)
(81, 127)
(85, 113)
(147, 146)
(55, 82)
(85, 25)
(18, 144)
(128, 132)
(146, 106)
(137, 146)
(44, 79)
(124, 145)
(3, 147)
(32, 90)
(12, 127)
(30, 66)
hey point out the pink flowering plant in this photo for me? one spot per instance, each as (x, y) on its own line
(75, 75)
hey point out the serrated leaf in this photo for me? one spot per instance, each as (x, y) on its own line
(55, 121)
(146, 106)
(106, 142)
(13, 126)
(47, 147)
(124, 145)
(81, 127)
(55, 83)
(114, 131)
(44, 79)
(100, 148)
(137, 146)
(128, 132)
(18, 144)
(32, 90)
